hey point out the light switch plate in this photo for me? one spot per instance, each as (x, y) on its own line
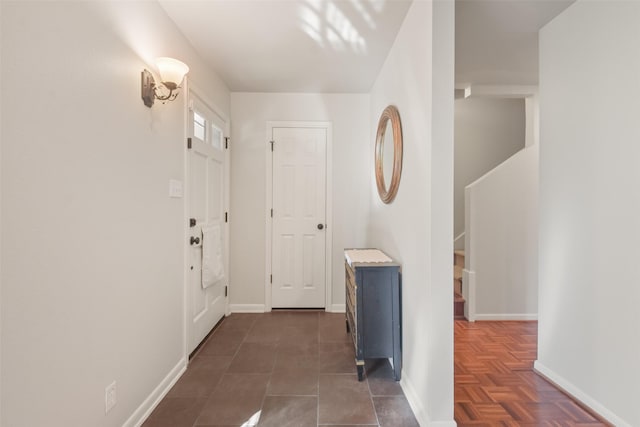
(175, 188)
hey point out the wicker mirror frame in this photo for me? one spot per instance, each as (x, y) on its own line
(387, 194)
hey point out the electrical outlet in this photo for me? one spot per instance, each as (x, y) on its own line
(110, 397)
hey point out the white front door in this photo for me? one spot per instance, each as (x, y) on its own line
(208, 190)
(299, 217)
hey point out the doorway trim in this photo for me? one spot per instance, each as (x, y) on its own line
(328, 282)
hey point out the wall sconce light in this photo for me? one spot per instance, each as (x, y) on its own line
(172, 72)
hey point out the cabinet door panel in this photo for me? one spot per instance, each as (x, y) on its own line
(377, 313)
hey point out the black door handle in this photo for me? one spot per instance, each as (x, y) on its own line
(320, 226)
(194, 240)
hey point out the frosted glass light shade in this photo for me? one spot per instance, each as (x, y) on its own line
(171, 71)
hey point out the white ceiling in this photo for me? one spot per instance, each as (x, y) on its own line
(497, 40)
(340, 45)
(291, 45)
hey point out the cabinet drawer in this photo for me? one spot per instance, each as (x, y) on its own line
(351, 293)
(350, 284)
(351, 278)
(351, 305)
(353, 329)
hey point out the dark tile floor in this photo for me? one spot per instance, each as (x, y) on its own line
(282, 369)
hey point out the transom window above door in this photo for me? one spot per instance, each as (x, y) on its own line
(207, 132)
(199, 126)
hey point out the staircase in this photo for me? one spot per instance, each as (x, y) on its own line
(458, 299)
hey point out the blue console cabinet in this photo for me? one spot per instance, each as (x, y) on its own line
(373, 309)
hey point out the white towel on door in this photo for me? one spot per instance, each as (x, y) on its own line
(212, 262)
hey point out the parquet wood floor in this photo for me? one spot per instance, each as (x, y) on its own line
(495, 384)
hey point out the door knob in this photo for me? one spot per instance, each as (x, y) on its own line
(194, 240)
(320, 226)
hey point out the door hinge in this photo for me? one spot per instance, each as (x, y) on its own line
(271, 212)
(226, 142)
(189, 143)
(226, 291)
(271, 278)
(192, 222)
(226, 217)
(272, 144)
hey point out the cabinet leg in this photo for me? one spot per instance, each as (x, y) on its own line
(346, 321)
(396, 370)
(360, 372)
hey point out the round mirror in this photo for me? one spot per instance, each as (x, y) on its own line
(388, 154)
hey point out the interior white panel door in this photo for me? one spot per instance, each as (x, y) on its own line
(207, 187)
(299, 229)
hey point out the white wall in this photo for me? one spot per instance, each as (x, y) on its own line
(92, 246)
(487, 132)
(416, 229)
(501, 241)
(351, 162)
(1, 245)
(588, 339)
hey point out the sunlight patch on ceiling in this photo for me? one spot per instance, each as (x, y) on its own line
(357, 4)
(331, 46)
(377, 5)
(310, 24)
(327, 25)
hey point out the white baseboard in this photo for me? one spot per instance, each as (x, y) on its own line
(259, 308)
(418, 408)
(443, 424)
(470, 311)
(141, 414)
(579, 395)
(246, 308)
(506, 316)
(338, 308)
(469, 294)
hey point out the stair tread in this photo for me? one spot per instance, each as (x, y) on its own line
(457, 272)
(458, 257)
(458, 306)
